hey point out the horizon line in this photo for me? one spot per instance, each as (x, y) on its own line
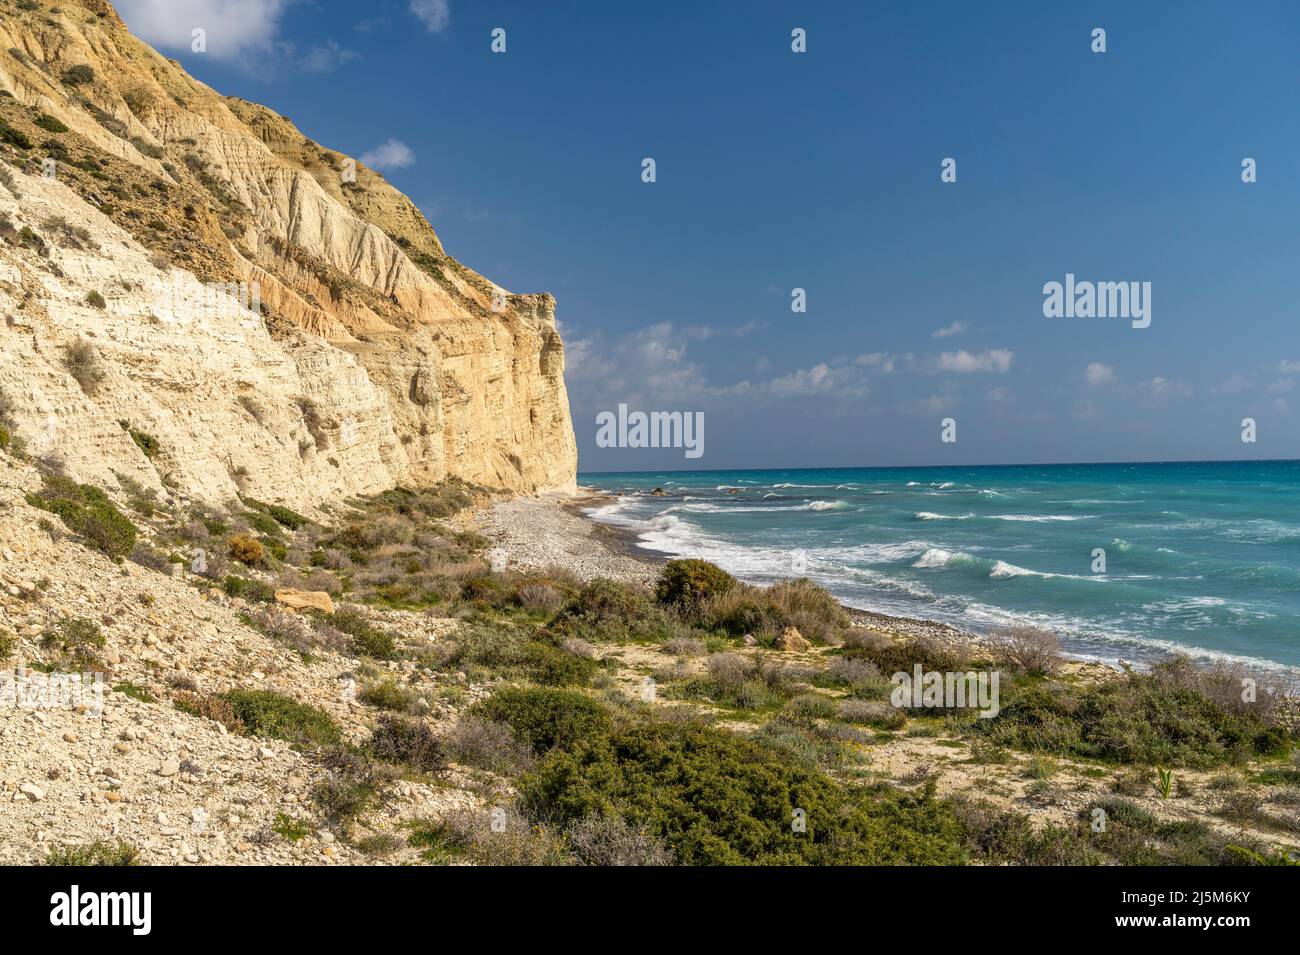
(916, 467)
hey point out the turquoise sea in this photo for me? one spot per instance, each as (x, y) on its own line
(1201, 557)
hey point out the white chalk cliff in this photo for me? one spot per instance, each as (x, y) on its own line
(134, 201)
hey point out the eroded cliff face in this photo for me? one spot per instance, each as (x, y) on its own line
(283, 322)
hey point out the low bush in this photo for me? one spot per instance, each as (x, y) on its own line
(247, 550)
(714, 798)
(81, 361)
(254, 591)
(271, 714)
(407, 741)
(487, 744)
(77, 639)
(544, 718)
(367, 640)
(87, 511)
(99, 853)
(685, 585)
(1161, 718)
(387, 695)
(607, 839)
(609, 611)
(1028, 649)
(553, 666)
(809, 607)
(78, 75)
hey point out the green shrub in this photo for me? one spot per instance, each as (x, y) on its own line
(901, 656)
(50, 124)
(1143, 719)
(552, 666)
(606, 611)
(13, 136)
(1153, 718)
(287, 518)
(254, 591)
(500, 648)
(543, 719)
(98, 853)
(146, 442)
(742, 610)
(263, 524)
(8, 643)
(5, 437)
(685, 584)
(134, 691)
(291, 829)
(95, 300)
(367, 639)
(77, 638)
(87, 511)
(387, 695)
(718, 799)
(267, 713)
(810, 607)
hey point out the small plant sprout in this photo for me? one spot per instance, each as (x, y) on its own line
(1164, 781)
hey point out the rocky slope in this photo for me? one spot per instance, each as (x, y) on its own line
(264, 314)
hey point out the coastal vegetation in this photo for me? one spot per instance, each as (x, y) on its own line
(696, 720)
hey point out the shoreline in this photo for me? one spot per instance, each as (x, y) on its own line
(555, 531)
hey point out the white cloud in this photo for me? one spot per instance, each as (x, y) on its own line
(326, 57)
(393, 154)
(883, 362)
(1098, 374)
(1162, 389)
(1289, 367)
(234, 27)
(820, 379)
(934, 404)
(434, 14)
(995, 359)
(956, 328)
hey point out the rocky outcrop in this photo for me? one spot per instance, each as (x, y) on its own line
(273, 316)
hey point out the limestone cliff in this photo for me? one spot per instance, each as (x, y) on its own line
(272, 316)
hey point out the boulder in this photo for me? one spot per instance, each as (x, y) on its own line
(792, 639)
(303, 599)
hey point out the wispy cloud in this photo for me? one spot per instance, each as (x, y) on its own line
(1164, 389)
(434, 14)
(326, 57)
(995, 359)
(956, 328)
(1098, 374)
(393, 154)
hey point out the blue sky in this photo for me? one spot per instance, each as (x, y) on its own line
(821, 170)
